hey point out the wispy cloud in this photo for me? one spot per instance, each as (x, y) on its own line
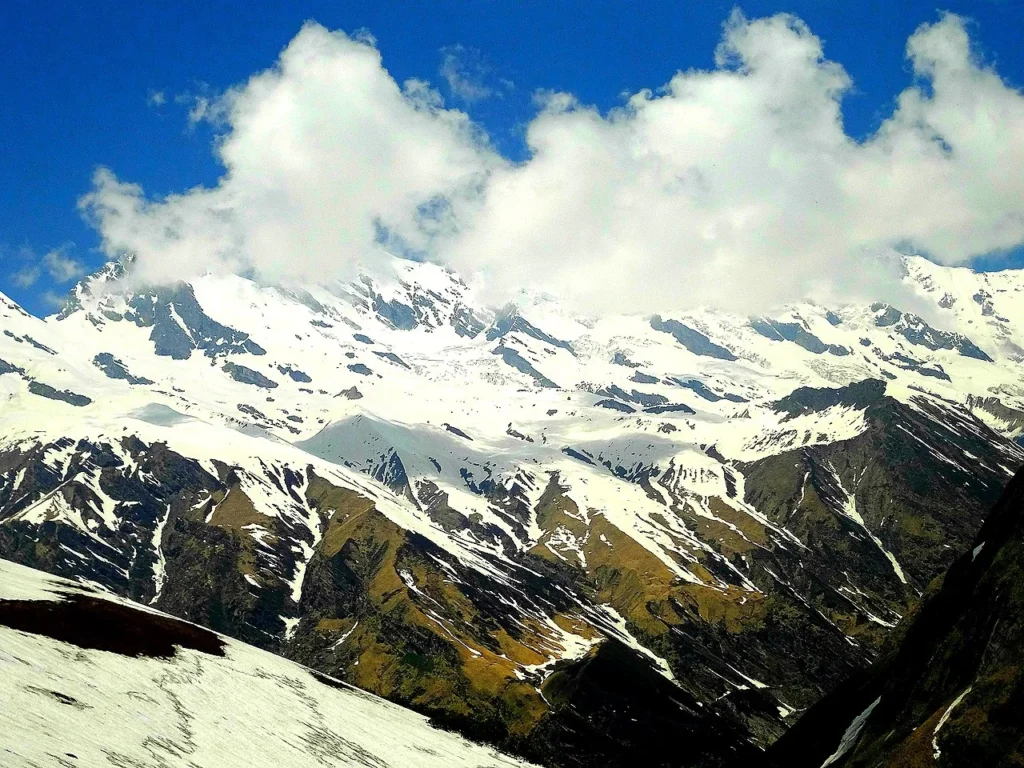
(52, 299)
(27, 276)
(57, 264)
(464, 72)
(204, 104)
(61, 266)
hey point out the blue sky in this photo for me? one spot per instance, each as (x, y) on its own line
(81, 82)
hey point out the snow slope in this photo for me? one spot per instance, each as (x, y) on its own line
(69, 705)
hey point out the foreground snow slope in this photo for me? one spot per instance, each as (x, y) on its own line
(64, 704)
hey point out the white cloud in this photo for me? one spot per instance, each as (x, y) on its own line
(156, 98)
(736, 186)
(57, 263)
(323, 153)
(462, 70)
(27, 276)
(61, 267)
(739, 186)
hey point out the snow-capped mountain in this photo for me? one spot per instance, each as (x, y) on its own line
(556, 533)
(90, 680)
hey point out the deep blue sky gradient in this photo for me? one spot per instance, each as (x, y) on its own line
(75, 78)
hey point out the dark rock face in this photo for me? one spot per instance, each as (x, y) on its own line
(466, 323)
(811, 400)
(89, 622)
(247, 375)
(908, 363)
(6, 367)
(294, 373)
(511, 357)
(140, 499)
(1013, 418)
(881, 515)
(633, 396)
(620, 358)
(670, 408)
(456, 431)
(917, 331)
(702, 390)
(779, 331)
(391, 357)
(39, 345)
(577, 455)
(918, 497)
(179, 325)
(948, 689)
(693, 340)
(613, 704)
(250, 410)
(397, 314)
(421, 307)
(510, 321)
(615, 405)
(642, 378)
(115, 369)
(64, 395)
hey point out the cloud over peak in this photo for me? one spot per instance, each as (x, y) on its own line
(736, 186)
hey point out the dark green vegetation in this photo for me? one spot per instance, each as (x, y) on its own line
(948, 688)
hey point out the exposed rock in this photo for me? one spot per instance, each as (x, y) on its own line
(619, 358)
(702, 389)
(643, 378)
(247, 375)
(795, 332)
(670, 408)
(179, 325)
(6, 367)
(115, 369)
(615, 405)
(811, 400)
(509, 321)
(948, 688)
(511, 357)
(64, 395)
(695, 341)
(917, 331)
(391, 357)
(294, 373)
(456, 431)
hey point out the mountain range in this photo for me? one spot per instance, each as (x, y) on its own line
(579, 539)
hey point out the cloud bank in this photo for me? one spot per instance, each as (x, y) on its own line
(736, 187)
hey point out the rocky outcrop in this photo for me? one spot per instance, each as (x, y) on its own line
(948, 689)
